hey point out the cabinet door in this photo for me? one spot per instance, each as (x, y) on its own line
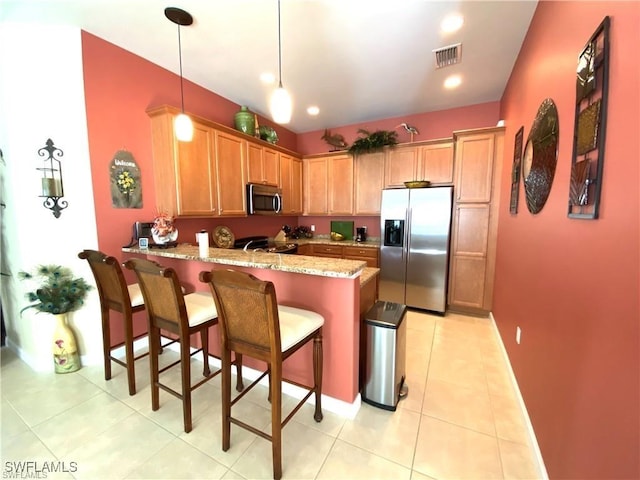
(315, 186)
(230, 164)
(262, 164)
(340, 185)
(291, 184)
(271, 166)
(474, 167)
(195, 174)
(401, 166)
(469, 255)
(369, 182)
(255, 163)
(437, 163)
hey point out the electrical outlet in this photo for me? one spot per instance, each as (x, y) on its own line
(313, 228)
(518, 335)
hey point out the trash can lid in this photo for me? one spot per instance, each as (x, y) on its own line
(386, 314)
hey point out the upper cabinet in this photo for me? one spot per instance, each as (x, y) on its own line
(263, 165)
(230, 151)
(291, 184)
(208, 176)
(401, 165)
(178, 166)
(436, 163)
(432, 161)
(328, 185)
(475, 156)
(369, 182)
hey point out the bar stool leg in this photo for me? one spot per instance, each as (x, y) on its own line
(317, 375)
(185, 368)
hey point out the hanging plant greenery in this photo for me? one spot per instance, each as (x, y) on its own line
(373, 142)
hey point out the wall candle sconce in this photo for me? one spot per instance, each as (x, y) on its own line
(52, 190)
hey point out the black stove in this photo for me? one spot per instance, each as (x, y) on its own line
(261, 243)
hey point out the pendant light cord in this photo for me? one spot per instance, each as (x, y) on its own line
(279, 49)
(181, 81)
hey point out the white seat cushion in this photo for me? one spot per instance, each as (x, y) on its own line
(135, 294)
(296, 324)
(200, 307)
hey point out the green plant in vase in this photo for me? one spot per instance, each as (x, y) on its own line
(57, 292)
(373, 142)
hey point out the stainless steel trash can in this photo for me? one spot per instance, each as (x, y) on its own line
(385, 355)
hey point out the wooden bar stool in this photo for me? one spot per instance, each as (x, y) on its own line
(182, 315)
(116, 295)
(252, 323)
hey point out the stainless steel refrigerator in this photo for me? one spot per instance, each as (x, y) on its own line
(414, 251)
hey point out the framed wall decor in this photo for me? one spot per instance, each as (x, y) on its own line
(587, 163)
(540, 156)
(515, 171)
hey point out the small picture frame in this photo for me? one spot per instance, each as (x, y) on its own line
(143, 243)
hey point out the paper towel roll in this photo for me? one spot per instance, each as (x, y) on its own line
(203, 243)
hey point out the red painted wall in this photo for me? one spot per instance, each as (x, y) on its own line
(573, 285)
(431, 125)
(119, 87)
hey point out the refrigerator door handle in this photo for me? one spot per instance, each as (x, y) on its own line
(407, 236)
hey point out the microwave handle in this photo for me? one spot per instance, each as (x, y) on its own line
(277, 203)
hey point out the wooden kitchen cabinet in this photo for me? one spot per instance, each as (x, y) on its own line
(340, 185)
(478, 155)
(475, 157)
(315, 186)
(263, 165)
(328, 185)
(185, 172)
(401, 165)
(230, 173)
(348, 252)
(369, 182)
(436, 162)
(369, 255)
(291, 184)
(331, 251)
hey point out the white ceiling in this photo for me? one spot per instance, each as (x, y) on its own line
(357, 60)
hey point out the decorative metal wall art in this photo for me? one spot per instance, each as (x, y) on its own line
(515, 171)
(126, 185)
(52, 188)
(587, 162)
(541, 156)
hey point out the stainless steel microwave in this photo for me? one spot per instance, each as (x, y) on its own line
(263, 199)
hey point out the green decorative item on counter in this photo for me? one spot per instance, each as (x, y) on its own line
(373, 142)
(245, 121)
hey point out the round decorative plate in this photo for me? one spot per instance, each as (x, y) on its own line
(223, 237)
(417, 184)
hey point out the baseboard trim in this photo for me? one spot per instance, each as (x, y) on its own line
(542, 470)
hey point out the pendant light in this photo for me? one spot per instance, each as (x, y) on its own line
(182, 123)
(280, 99)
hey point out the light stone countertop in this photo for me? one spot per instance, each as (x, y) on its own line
(324, 267)
(368, 274)
(325, 240)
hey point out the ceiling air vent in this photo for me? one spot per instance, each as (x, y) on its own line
(447, 56)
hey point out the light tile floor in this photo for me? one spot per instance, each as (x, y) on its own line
(460, 420)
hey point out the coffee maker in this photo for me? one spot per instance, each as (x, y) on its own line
(361, 234)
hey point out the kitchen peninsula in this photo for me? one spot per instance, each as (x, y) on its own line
(340, 290)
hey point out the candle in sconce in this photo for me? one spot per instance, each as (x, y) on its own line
(51, 187)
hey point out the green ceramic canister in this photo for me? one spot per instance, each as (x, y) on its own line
(245, 121)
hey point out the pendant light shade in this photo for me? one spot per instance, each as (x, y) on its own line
(280, 104)
(183, 126)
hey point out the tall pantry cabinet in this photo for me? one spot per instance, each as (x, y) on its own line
(478, 155)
